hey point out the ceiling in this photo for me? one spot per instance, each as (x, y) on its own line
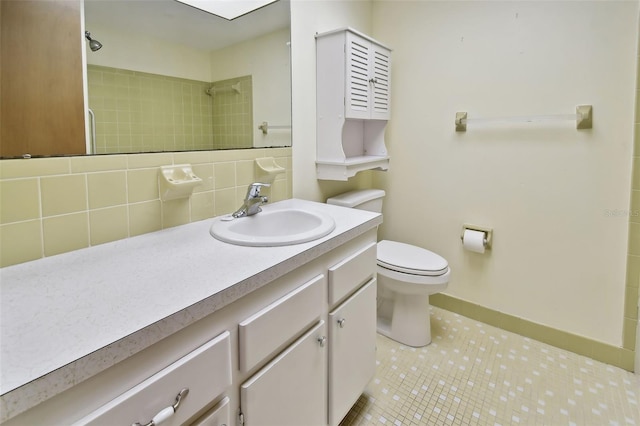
(178, 23)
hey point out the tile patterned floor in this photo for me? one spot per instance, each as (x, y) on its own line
(476, 374)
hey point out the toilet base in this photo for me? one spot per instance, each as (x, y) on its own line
(410, 320)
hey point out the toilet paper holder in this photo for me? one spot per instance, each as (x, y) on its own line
(488, 233)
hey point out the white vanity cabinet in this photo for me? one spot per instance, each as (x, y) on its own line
(316, 379)
(297, 349)
(353, 95)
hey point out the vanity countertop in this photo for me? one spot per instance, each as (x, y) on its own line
(68, 317)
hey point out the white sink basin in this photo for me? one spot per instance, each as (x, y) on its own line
(272, 228)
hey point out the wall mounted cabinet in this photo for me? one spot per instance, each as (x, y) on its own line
(353, 94)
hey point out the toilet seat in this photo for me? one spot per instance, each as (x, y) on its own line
(408, 259)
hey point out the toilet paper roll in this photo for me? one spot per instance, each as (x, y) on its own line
(473, 240)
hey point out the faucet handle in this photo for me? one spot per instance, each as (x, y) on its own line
(254, 189)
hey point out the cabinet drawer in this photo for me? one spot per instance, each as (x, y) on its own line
(268, 329)
(351, 273)
(206, 372)
(220, 415)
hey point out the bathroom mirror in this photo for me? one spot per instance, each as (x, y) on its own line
(170, 77)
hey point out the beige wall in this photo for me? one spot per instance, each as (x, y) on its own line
(138, 52)
(632, 301)
(550, 192)
(55, 205)
(267, 60)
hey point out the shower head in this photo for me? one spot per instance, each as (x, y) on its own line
(93, 44)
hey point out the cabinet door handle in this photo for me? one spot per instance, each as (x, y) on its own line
(341, 322)
(322, 340)
(165, 413)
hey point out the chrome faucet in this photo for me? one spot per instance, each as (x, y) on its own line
(252, 201)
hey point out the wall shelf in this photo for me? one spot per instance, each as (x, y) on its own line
(332, 170)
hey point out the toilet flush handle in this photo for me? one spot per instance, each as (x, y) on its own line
(341, 322)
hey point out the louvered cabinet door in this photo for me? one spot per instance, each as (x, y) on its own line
(368, 79)
(358, 69)
(381, 84)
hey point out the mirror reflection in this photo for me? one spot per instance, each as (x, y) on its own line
(160, 76)
(170, 77)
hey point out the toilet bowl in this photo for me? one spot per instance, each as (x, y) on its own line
(407, 276)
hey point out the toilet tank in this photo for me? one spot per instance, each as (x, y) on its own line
(363, 199)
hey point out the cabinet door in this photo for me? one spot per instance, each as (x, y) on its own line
(352, 350)
(42, 103)
(381, 85)
(368, 83)
(291, 389)
(357, 92)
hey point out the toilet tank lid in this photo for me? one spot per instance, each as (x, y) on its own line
(355, 198)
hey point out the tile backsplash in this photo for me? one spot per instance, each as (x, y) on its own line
(55, 205)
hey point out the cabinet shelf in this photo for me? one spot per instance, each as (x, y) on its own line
(343, 170)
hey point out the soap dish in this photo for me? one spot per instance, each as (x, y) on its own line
(267, 169)
(177, 181)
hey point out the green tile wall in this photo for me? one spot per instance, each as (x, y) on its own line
(142, 112)
(232, 113)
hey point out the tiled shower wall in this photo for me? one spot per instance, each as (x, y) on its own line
(55, 205)
(141, 112)
(232, 113)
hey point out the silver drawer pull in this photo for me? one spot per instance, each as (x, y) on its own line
(165, 413)
(341, 322)
(322, 340)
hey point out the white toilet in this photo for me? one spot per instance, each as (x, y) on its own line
(407, 275)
